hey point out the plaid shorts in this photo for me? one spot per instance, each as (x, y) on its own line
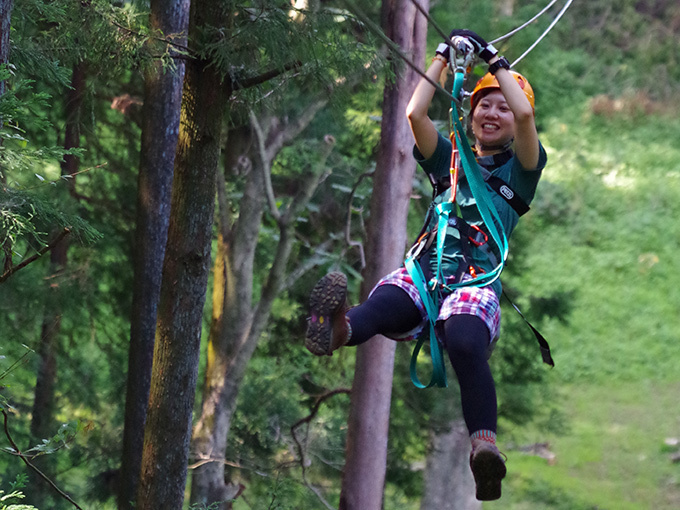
(479, 301)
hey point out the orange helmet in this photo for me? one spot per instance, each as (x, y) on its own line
(489, 81)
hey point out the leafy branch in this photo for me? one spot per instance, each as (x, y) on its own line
(36, 256)
(65, 433)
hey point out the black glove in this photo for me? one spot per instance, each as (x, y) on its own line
(485, 50)
(444, 50)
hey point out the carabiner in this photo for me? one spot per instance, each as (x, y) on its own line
(465, 53)
(474, 240)
(461, 65)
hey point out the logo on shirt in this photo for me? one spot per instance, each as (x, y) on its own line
(506, 192)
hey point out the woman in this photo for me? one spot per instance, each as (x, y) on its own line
(502, 116)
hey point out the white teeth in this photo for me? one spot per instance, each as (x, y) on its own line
(489, 126)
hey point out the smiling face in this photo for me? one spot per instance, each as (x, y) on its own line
(493, 123)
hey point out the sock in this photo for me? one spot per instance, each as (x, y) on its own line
(483, 435)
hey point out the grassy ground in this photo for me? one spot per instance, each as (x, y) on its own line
(613, 455)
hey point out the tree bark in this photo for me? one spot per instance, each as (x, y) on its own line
(449, 484)
(5, 23)
(160, 126)
(229, 346)
(42, 418)
(366, 452)
(236, 324)
(185, 275)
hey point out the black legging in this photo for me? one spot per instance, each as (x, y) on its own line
(466, 338)
(390, 310)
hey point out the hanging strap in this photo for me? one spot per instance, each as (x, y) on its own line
(542, 342)
(436, 351)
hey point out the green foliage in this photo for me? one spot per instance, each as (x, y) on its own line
(593, 265)
(31, 217)
(52, 37)
(6, 499)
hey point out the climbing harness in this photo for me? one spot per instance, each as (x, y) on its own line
(462, 157)
(431, 289)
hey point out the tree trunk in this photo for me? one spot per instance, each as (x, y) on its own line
(237, 326)
(230, 345)
(160, 126)
(42, 418)
(364, 474)
(449, 484)
(5, 23)
(185, 276)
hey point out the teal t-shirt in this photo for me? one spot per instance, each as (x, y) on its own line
(523, 181)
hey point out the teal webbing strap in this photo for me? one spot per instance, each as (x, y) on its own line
(436, 352)
(490, 218)
(485, 206)
(479, 192)
(443, 210)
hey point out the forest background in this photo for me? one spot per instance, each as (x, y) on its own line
(593, 264)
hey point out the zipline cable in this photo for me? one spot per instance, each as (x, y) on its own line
(557, 18)
(445, 36)
(394, 46)
(509, 34)
(513, 32)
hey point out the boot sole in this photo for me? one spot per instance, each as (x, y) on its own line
(326, 300)
(489, 470)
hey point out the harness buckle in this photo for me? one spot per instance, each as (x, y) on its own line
(479, 237)
(416, 249)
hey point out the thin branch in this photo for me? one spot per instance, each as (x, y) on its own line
(209, 460)
(292, 130)
(265, 167)
(306, 420)
(21, 360)
(265, 77)
(36, 256)
(63, 178)
(348, 222)
(304, 195)
(165, 40)
(306, 265)
(320, 399)
(285, 222)
(31, 466)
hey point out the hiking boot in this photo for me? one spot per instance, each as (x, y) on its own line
(327, 327)
(488, 468)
